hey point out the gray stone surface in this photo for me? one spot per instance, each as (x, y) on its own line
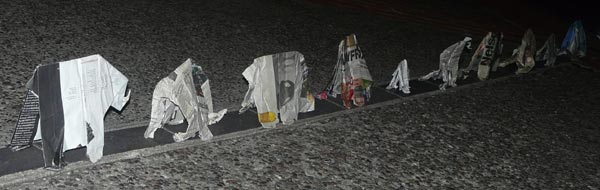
(148, 39)
(536, 131)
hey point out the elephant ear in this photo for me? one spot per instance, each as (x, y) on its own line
(119, 88)
(32, 83)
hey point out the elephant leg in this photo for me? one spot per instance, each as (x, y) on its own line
(205, 133)
(191, 129)
(195, 124)
(51, 114)
(203, 122)
(159, 106)
(96, 146)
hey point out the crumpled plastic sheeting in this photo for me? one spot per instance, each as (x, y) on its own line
(548, 51)
(575, 41)
(88, 87)
(352, 78)
(400, 78)
(485, 56)
(449, 60)
(277, 84)
(524, 55)
(184, 95)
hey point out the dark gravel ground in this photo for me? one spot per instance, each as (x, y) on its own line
(536, 131)
(148, 39)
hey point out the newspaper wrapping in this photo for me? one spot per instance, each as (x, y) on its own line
(485, 56)
(449, 62)
(184, 95)
(277, 87)
(400, 78)
(74, 97)
(548, 51)
(524, 55)
(351, 78)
